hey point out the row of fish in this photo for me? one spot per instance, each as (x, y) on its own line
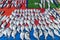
(11, 3)
(19, 18)
(43, 3)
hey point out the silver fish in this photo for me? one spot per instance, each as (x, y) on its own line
(22, 28)
(3, 25)
(14, 33)
(51, 33)
(27, 28)
(46, 34)
(22, 35)
(40, 33)
(36, 35)
(27, 36)
(18, 29)
(56, 32)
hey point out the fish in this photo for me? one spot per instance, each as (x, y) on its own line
(36, 35)
(45, 34)
(22, 35)
(40, 33)
(13, 33)
(3, 25)
(18, 29)
(56, 32)
(1, 33)
(48, 1)
(22, 28)
(27, 28)
(55, 2)
(27, 36)
(51, 33)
